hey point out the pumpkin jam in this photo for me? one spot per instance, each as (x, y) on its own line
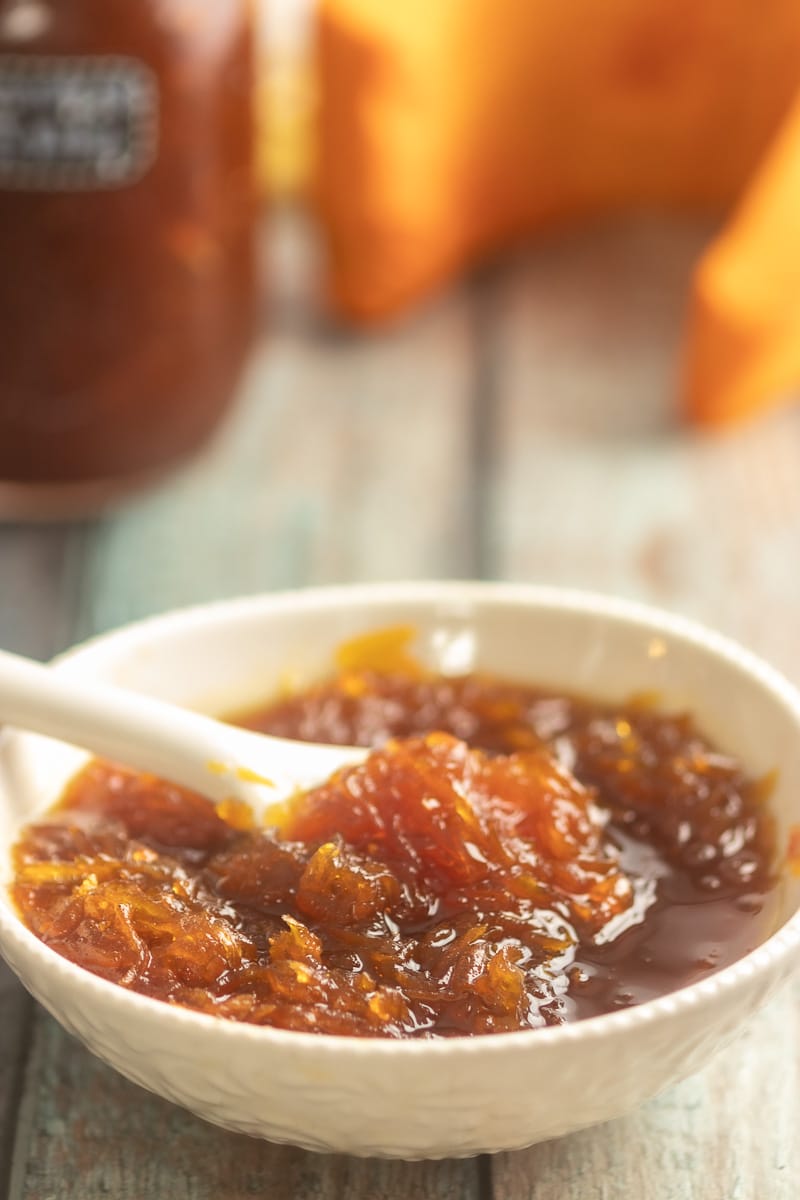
(507, 858)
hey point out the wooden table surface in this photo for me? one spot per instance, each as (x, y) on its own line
(523, 427)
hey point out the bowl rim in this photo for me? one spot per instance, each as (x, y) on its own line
(692, 998)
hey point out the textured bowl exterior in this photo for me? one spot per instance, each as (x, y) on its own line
(420, 1099)
(366, 1098)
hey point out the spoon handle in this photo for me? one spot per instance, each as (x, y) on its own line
(152, 735)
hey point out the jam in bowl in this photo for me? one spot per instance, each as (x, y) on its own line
(584, 863)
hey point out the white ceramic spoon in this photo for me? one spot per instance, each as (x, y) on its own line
(138, 731)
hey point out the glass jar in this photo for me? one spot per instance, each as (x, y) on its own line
(127, 239)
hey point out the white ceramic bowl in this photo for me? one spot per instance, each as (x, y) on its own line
(418, 1099)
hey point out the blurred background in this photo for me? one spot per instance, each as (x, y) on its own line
(319, 291)
(512, 299)
(500, 298)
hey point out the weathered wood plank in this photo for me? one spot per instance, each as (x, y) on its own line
(38, 567)
(96, 1135)
(341, 464)
(15, 1018)
(346, 459)
(597, 486)
(728, 1133)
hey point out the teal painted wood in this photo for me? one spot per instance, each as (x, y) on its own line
(728, 1133)
(346, 459)
(597, 485)
(93, 1135)
(356, 459)
(40, 571)
(15, 1019)
(38, 568)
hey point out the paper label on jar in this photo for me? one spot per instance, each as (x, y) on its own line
(81, 124)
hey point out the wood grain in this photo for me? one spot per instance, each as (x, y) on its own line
(97, 1136)
(346, 459)
(597, 485)
(38, 568)
(728, 1133)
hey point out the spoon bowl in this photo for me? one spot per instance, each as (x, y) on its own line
(416, 1098)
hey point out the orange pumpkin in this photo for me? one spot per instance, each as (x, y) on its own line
(743, 344)
(451, 128)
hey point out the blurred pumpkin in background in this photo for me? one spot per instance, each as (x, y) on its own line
(448, 129)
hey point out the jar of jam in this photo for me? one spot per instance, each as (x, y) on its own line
(127, 248)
